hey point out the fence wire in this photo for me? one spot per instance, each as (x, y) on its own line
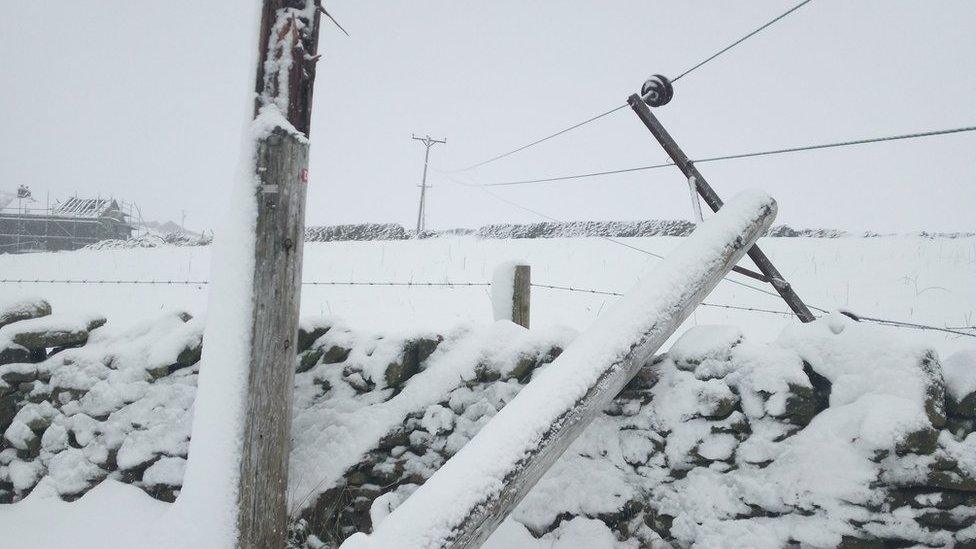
(956, 330)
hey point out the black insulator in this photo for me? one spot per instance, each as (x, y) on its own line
(849, 315)
(657, 91)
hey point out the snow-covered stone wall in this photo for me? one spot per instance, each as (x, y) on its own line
(80, 401)
(837, 434)
(549, 229)
(361, 231)
(153, 240)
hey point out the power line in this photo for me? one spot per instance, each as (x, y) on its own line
(543, 215)
(741, 40)
(738, 156)
(537, 141)
(205, 282)
(894, 323)
(615, 109)
(455, 181)
(839, 144)
(578, 176)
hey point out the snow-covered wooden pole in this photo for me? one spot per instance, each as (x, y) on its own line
(464, 501)
(234, 487)
(287, 49)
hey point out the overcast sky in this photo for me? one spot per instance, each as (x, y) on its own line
(143, 101)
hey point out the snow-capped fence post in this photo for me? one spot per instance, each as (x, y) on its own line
(467, 498)
(511, 293)
(521, 295)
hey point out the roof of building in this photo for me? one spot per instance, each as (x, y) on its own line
(84, 207)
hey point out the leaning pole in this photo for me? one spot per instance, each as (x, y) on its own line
(467, 498)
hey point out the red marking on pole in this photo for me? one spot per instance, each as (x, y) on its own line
(304, 175)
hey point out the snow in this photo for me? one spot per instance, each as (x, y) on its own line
(503, 290)
(87, 523)
(865, 364)
(19, 433)
(211, 480)
(19, 307)
(437, 420)
(576, 229)
(210, 484)
(903, 278)
(476, 473)
(915, 279)
(205, 514)
(573, 534)
(827, 469)
(959, 370)
(344, 428)
(56, 323)
(814, 481)
(23, 475)
(51, 323)
(704, 343)
(168, 471)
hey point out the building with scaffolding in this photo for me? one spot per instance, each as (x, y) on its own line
(68, 225)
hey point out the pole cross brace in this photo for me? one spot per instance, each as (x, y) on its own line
(769, 272)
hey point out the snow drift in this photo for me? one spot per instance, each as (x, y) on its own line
(833, 435)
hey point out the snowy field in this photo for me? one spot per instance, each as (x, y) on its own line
(908, 279)
(927, 281)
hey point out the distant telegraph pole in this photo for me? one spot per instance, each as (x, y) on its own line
(421, 214)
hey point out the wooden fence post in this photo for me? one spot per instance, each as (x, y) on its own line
(521, 295)
(511, 289)
(467, 498)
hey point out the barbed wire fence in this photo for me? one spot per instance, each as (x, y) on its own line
(968, 331)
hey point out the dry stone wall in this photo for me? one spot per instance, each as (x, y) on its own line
(835, 435)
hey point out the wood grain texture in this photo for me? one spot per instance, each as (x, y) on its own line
(521, 295)
(289, 30)
(287, 55)
(262, 513)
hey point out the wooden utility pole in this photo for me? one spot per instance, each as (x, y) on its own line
(429, 142)
(287, 54)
